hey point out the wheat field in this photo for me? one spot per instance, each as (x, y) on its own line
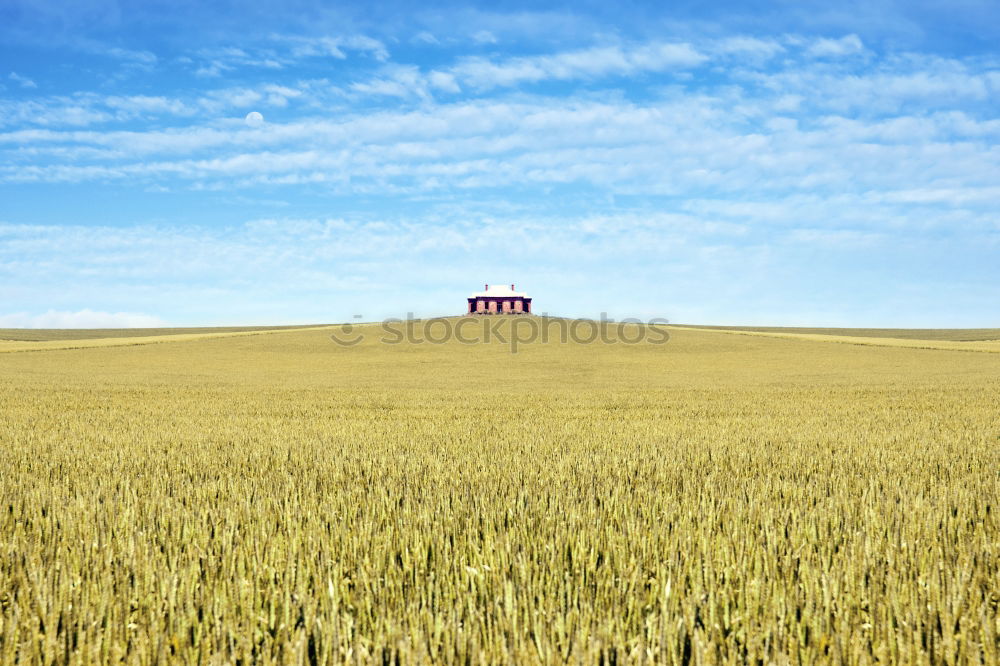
(45, 334)
(277, 498)
(925, 334)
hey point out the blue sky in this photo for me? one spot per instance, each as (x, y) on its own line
(788, 163)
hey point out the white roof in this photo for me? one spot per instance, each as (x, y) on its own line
(500, 290)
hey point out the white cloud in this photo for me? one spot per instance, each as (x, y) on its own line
(368, 45)
(758, 135)
(53, 112)
(483, 73)
(279, 95)
(748, 46)
(80, 319)
(661, 147)
(952, 196)
(88, 108)
(887, 87)
(282, 270)
(425, 37)
(395, 81)
(143, 59)
(712, 150)
(311, 48)
(444, 81)
(238, 98)
(23, 81)
(145, 104)
(844, 238)
(214, 62)
(835, 48)
(333, 46)
(484, 37)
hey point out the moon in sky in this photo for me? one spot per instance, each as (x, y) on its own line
(254, 119)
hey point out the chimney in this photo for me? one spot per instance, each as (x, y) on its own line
(486, 287)
(512, 286)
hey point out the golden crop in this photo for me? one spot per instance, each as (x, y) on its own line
(276, 498)
(28, 334)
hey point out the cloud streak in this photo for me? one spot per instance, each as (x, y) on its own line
(80, 319)
(482, 73)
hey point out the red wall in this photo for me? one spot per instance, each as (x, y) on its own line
(497, 304)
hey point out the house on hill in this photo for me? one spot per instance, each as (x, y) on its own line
(499, 299)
